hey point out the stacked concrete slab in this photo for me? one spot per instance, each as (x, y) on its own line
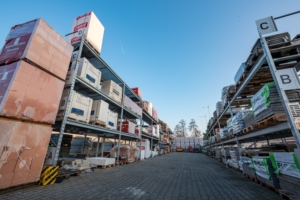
(33, 65)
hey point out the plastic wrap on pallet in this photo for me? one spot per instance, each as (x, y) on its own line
(219, 107)
(28, 139)
(285, 163)
(41, 44)
(239, 73)
(225, 92)
(89, 26)
(127, 127)
(132, 105)
(238, 122)
(261, 101)
(265, 171)
(127, 153)
(29, 93)
(234, 154)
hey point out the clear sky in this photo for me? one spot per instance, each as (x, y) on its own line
(181, 53)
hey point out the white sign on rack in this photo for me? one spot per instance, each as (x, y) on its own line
(266, 25)
(288, 79)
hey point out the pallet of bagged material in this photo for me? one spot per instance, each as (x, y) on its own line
(274, 119)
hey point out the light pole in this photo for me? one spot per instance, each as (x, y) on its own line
(208, 111)
(205, 122)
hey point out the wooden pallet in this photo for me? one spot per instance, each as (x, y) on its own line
(274, 119)
(106, 166)
(99, 123)
(250, 177)
(284, 195)
(77, 120)
(67, 173)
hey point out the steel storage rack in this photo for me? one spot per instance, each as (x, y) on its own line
(68, 125)
(249, 84)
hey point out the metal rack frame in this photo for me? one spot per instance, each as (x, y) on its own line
(281, 130)
(79, 85)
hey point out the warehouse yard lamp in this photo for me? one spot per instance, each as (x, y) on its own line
(205, 122)
(208, 111)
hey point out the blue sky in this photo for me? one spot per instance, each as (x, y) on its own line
(180, 53)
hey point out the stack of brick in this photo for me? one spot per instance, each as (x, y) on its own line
(33, 65)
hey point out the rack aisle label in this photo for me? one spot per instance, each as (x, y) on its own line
(288, 79)
(266, 25)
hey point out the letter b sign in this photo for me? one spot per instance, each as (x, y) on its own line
(287, 79)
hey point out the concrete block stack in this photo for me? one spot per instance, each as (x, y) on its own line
(33, 65)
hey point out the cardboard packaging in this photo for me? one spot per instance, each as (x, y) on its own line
(39, 43)
(127, 127)
(86, 71)
(112, 120)
(81, 106)
(29, 141)
(27, 92)
(99, 111)
(89, 27)
(112, 90)
(138, 91)
(132, 105)
(150, 130)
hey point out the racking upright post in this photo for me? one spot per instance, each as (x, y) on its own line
(282, 94)
(121, 124)
(64, 121)
(98, 145)
(151, 146)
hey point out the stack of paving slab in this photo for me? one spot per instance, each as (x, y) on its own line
(101, 161)
(33, 65)
(287, 167)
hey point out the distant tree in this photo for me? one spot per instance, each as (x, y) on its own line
(180, 129)
(193, 127)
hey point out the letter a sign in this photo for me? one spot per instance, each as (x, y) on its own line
(266, 25)
(287, 79)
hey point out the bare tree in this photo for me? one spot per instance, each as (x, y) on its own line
(180, 129)
(197, 133)
(193, 127)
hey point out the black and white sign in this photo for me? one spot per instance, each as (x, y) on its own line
(288, 79)
(266, 25)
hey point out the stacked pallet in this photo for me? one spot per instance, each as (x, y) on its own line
(34, 63)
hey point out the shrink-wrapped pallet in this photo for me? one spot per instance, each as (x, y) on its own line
(27, 92)
(138, 91)
(23, 149)
(226, 91)
(154, 114)
(37, 42)
(132, 105)
(80, 109)
(89, 27)
(113, 90)
(238, 121)
(127, 127)
(112, 120)
(99, 113)
(145, 143)
(86, 71)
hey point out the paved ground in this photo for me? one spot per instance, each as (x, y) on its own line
(173, 176)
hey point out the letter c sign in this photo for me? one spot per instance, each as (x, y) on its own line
(264, 25)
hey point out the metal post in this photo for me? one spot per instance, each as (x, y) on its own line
(238, 146)
(121, 124)
(283, 140)
(65, 118)
(98, 146)
(102, 146)
(83, 150)
(151, 146)
(282, 95)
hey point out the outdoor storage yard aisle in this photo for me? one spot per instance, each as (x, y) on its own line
(173, 176)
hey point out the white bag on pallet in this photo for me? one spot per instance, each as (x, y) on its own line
(80, 106)
(86, 71)
(89, 26)
(101, 161)
(99, 111)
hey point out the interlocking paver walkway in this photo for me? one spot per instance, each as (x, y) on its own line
(173, 176)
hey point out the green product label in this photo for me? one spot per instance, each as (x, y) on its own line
(260, 101)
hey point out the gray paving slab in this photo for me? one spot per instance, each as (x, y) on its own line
(173, 176)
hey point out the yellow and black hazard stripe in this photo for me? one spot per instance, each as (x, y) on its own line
(48, 175)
